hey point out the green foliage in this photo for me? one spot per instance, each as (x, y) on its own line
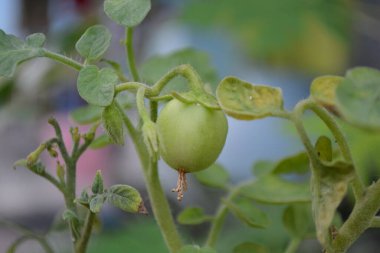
(247, 213)
(214, 176)
(113, 124)
(298, 163)
(193, 216)
(323, 89)
(96, 86)
(298, 220)
(14, 51)
(94, 42)
(250, 247)
(358, 98)
(86, 114)
(101, 142)
(125, 197)
(273, 189)
(286, 39)
(154, 68)
(127, 12)
(244, 101)
(96, 203)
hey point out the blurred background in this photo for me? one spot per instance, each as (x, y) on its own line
(283, 43)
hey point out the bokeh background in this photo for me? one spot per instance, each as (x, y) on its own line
(282, 43)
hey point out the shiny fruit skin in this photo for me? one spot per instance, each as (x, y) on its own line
(191, 136)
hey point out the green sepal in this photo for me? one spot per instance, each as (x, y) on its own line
(113, 124)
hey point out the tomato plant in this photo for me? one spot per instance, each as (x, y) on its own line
(189, 134)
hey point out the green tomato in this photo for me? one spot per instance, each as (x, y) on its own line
(191, 136)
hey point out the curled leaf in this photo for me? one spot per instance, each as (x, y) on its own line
(242, 100)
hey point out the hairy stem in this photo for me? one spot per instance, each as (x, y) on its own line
(359, 220)
(296, 118)
(83, 242)
(160, 205)
(63, 59)
(185, 70)
(130, 54)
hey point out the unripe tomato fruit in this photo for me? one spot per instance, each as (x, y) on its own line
(191, 136)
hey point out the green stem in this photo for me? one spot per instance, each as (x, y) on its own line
(359, 220)
(216, 226)
(342, 142)
(141, 105)
(220, 217)
(296, 118)
(161, 209)
(293, 245)
(83, 242)
(44, 244)
(63, 59)
(130, 54)
(159, 203)
(185, 70)
(53, 180)
(129, 86)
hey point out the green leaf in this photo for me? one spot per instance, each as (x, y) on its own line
(127, 12)
(196, 249)
(250, 247)
(323, 148)
(298, 220)
(100, 142)
(36, 40)
(329, 185)
(126, 198)
(97, 202)
(241, 100)
(14, 51)
(298, 163)
(247, 213)
(97, 185)
(94, 42)
(214, 176)
(96, 86)
(358, 97)
(273, 189)
(262, 168)
(86, 114)
(156, 67)
(113, 124)
(193, 216)
(323, 90)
